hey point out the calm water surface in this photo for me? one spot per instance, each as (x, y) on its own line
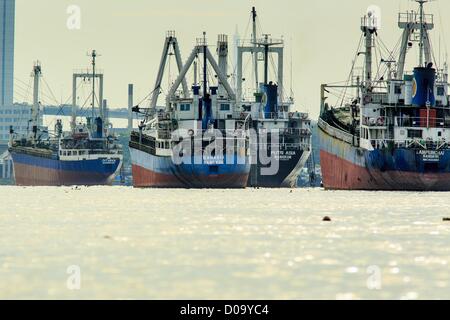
(252, 244)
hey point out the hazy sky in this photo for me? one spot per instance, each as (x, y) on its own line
(129, 35)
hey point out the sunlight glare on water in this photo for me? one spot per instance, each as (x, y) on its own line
(223, 244)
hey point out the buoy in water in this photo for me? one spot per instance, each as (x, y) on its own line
(326, 219)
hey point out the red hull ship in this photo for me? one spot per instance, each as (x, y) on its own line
(392, 134)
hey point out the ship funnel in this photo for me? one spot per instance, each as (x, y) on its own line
(99, 128)
(207, 116)
(269, 99)
(423, 87)
(196, 93)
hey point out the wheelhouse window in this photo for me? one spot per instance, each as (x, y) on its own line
(185, 107)
(415, 134)
(440, 91)
(224, 107)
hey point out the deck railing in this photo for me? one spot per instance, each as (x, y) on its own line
(285, 115)
(339, 134)
(421, 122)
(408, 122)
(409, 143)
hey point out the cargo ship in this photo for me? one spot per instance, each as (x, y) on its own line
(390, 129)
(281, 144)
(85, 156)
(198, 139)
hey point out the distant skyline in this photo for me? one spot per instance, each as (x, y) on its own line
(321, 36)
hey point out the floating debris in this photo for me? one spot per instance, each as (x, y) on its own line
(326, 219)
(446, 219)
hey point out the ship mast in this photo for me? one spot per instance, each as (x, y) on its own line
(421, 33)
(37, 72)
(266, 46)
(205, 66)
(222, 52)
(266, 58)
(171, 40)
(411, 25)
(94, 56)
(369, 28)
(255, 51)
(201, 47)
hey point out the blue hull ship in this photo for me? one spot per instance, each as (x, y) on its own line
(154, 171)
(38, 170)
(87, 155)
(199, 139)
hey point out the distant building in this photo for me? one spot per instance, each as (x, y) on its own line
(9, 113)
(17, 116)
(7, 18)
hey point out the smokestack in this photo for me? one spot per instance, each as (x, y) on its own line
(130, 107)
(196, 93)
(105, 114)
(214, 106)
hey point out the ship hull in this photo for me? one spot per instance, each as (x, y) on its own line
(32, 170)
(347, 167)
(290, 164)
(151, 171)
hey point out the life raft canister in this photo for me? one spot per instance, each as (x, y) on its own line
(380, 121)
